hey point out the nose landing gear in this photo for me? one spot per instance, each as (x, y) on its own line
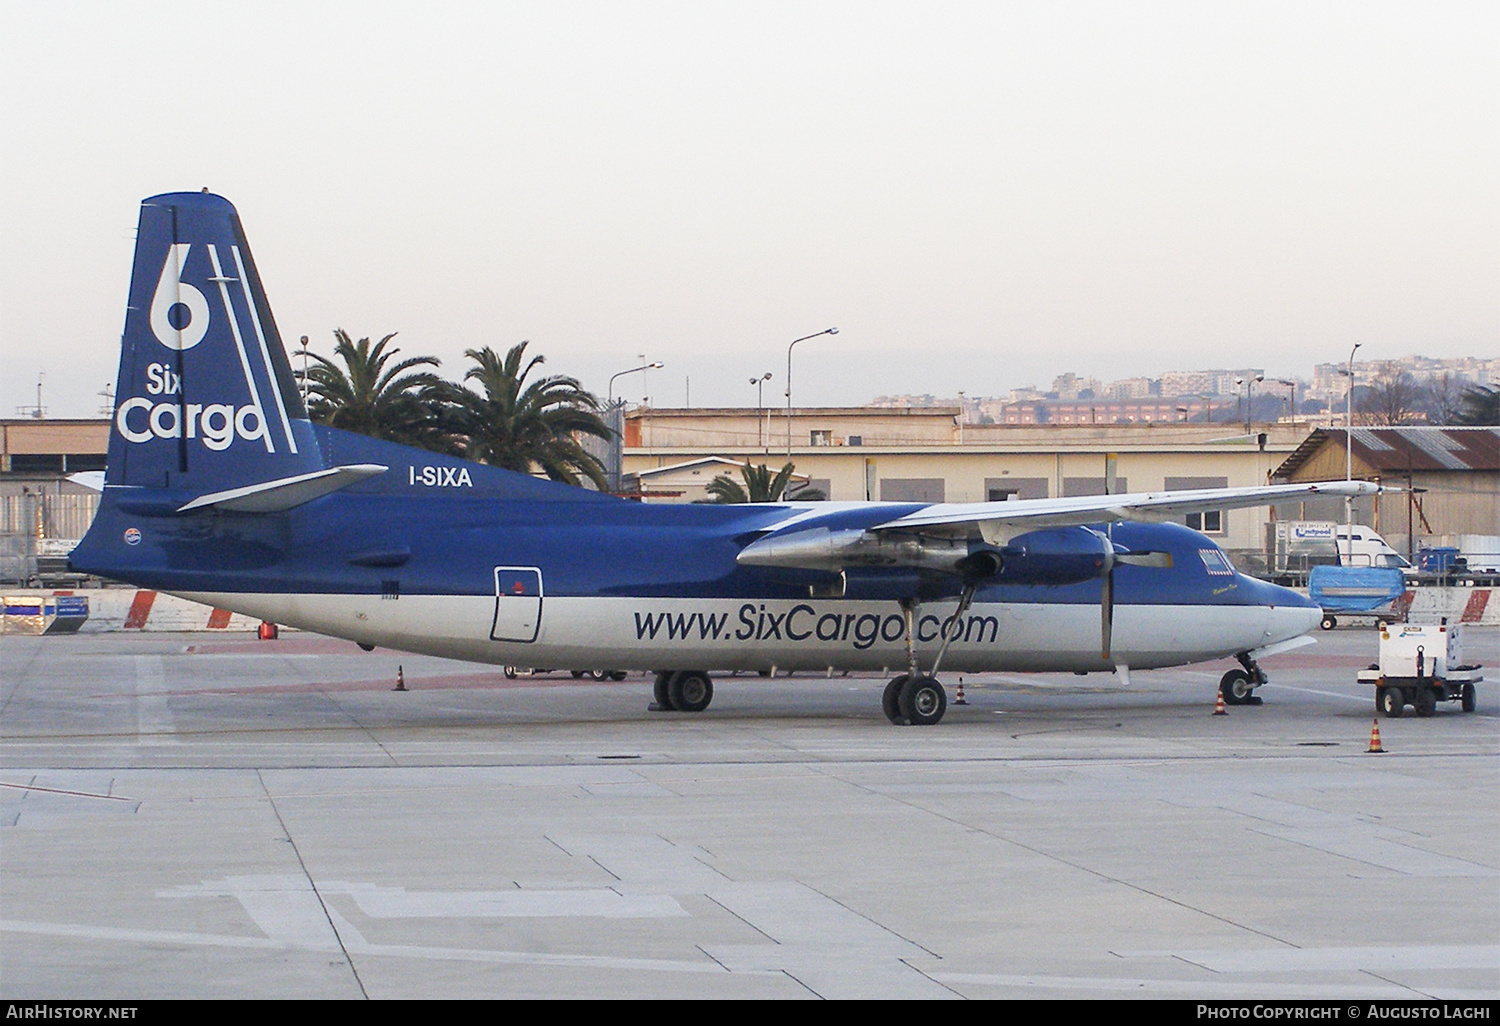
(1238, 686)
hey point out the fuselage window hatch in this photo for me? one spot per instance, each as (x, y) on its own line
(518, 604)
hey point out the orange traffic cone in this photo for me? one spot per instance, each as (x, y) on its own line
(400, 680)
(1375, 739)
(960, 700)
(1219, 707)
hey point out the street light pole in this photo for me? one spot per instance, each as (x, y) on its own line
(760, 402)
(617, 425)
(1292, 384)
(804, 338)
(1250, 401)
(645, 367)
(1349, 459)
(304, 370)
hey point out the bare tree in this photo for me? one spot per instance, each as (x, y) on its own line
(1444, 399)
(1394, 398)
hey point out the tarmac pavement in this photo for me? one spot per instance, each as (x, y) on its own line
(201, 815)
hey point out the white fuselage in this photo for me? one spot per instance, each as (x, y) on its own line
(811, 634)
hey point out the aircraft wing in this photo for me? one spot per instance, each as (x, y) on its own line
(997, 522)
(961, 538)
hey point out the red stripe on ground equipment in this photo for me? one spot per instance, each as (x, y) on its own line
(1474, 609)
(140, 609)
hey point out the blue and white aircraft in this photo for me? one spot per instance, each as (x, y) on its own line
(219, 489)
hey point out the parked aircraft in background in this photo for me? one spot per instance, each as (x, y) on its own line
(221, 490)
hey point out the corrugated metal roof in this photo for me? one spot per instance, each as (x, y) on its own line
(1404, 449)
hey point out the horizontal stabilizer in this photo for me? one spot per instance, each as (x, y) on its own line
(285, 493)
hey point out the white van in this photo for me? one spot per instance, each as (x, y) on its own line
(1361, 546)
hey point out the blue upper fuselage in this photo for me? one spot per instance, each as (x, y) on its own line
(440, 526)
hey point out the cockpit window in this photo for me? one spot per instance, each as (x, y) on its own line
(1216, 562)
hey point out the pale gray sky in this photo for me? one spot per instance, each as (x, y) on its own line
(979, 195)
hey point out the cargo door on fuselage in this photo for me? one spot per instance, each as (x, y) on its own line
(518, 603)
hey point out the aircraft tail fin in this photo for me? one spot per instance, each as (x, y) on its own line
(205, 399)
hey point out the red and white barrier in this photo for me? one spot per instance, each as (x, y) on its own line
(1459, 605)
(125, 609)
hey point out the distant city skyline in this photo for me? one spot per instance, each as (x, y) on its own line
(980, 195)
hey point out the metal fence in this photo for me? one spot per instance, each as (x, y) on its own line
(39, 515)
(29, 521)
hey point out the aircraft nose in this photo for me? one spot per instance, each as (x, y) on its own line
(1298, 620)
(1292, 614)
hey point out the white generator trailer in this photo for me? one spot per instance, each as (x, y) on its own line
(1421, 666)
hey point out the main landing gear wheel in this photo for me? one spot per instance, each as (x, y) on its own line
(1390, 702)
(1235, 687)
(923, 701)
(661, 698)
(1329, 622)
(890, 700)
(690, 690)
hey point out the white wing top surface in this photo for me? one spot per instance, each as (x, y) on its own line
(1033, 514)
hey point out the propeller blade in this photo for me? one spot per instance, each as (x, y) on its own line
(1106, 610)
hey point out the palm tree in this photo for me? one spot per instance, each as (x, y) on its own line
(1479, 406)
(517, 425)
(370, 395)
(759, 486)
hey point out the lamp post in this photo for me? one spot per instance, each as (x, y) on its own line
(1250, 401)
(760, 402)
(1349, 458)
(1292, 384)
(644, 367)
(304, 370)
(804, 338)
(617, 425)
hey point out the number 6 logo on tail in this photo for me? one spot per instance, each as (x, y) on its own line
(179, 312)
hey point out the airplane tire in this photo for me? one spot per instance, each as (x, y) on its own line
(1390, 702)
(1329, 622)
(661, 695)
(577, 674)
(1425, 700)
(1235, 687)
(1467, 699)
(890, 700)
(923, 701)
(690, 690)
(617, 674)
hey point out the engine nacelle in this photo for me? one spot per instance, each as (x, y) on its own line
(1062, 556)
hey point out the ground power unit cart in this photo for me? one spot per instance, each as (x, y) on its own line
(1421, 666)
